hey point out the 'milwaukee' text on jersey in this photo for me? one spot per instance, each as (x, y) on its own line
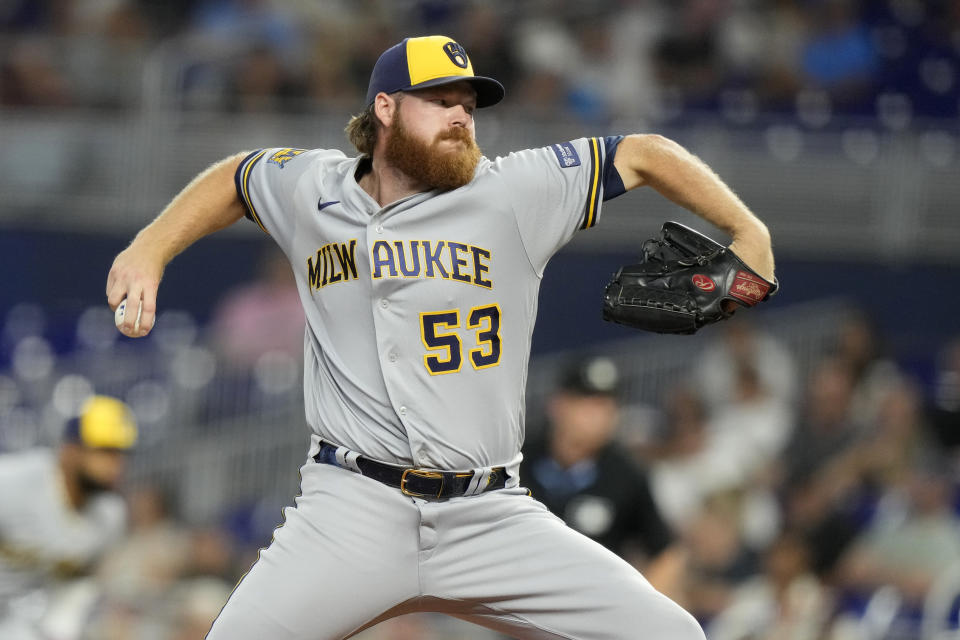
(445, 259)
(420, 313)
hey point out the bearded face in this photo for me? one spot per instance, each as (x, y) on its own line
(91, 485)
(99, 470)
(436, 163)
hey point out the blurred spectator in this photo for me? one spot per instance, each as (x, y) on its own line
(679, 480)
(247, 55)
(719, 559)
(632, 87)
(784, 32)
(261, 316)
(545, 49)
(873, 373)
(328, 80)
(815, 475)
(899, 439)
(486, 34)
(26, 15)
(58, 515)
(153, 555)
(945, 408)
(857, 486)
(165, 579)
(885, 480)
(760, 44)
(703, 454)
(260, 83)
(827, 425)
(910, 547)
(32, 75)
(197, 602)
(596, 61)
(581, 473)
(786, 601)
(371, 37)
(592, 83)
(811, 511)
(214, 555)
(109, 44)
(260, 22)
(839, 55)
(741, 346)
(754, 425)
(97, 61)
(687, 54)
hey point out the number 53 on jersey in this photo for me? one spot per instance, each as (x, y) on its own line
(445, 339)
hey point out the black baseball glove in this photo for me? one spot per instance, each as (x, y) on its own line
(684, 280)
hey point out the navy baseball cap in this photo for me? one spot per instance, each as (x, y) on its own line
(430, 61)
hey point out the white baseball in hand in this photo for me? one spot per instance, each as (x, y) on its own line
(121, 311)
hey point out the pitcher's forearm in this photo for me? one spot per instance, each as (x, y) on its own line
(207, 204)
(681, 177)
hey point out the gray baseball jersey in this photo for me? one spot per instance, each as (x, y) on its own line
(419, 321)
(41, 534)
(420, 314)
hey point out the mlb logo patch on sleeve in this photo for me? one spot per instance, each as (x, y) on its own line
(566, 155)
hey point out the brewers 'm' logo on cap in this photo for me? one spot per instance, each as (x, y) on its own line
(429, 61)
(457, 54)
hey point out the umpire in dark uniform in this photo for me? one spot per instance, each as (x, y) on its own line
(582, 474)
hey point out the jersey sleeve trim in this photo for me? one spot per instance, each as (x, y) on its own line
(241, 180)
(612, 182)
(592, 207)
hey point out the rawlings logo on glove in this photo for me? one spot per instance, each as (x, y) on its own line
(684, 280)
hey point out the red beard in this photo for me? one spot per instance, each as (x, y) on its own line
(426, 163)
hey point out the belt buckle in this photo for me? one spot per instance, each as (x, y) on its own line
(420, 473)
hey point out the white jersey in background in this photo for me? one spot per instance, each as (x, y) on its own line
(43, 538)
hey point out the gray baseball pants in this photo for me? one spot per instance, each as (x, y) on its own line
(354, 552)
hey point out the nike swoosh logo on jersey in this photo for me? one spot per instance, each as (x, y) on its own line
(323, 205)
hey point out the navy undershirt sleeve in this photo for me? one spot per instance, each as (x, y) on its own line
(612, 182)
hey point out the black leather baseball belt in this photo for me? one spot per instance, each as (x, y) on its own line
(417, 483)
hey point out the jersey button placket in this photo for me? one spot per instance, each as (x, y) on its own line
(381, 307)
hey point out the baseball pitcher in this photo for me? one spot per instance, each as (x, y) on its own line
(418, 262)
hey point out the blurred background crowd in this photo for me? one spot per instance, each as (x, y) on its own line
(804, 460)
(595, 60)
